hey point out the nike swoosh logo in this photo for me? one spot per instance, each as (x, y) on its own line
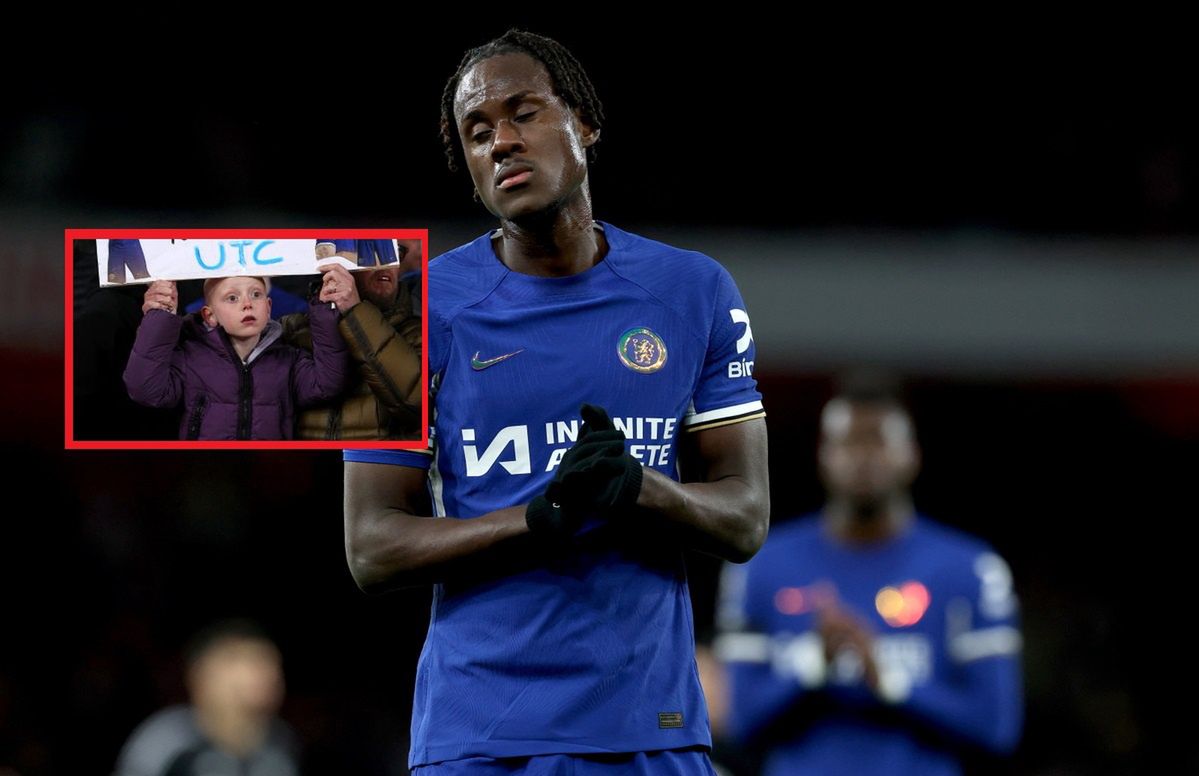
(479, 365)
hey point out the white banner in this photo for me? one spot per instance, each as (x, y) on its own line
(141, 261)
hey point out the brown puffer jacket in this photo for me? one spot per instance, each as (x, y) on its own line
(383, 400)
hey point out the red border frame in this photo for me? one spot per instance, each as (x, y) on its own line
(71, 443)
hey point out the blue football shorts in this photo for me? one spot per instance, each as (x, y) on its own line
(671, 762)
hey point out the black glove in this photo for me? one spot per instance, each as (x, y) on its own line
(595, 475)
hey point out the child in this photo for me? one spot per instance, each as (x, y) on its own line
(227, 364)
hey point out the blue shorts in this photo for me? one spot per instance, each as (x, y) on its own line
(673, 762)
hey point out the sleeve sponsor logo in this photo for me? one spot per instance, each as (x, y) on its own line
(741, 367)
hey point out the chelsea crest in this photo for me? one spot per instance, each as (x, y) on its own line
(641, 350)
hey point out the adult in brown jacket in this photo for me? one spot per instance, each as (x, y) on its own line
(382, 328)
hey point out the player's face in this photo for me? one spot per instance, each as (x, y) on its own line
(525, 148)
(867, 451)
(239, 674)
(379, 286)
(240, 306)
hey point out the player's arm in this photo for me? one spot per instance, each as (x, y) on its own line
(392, 542)
(983, 703)
(723, 504)
(766, 680)
(985, 707)
(725, 511)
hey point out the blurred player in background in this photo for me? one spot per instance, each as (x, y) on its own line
(573, 364)
(235, 682)
(868, 639)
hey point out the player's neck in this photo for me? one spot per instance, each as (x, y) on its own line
(865, 523)
(552, 244)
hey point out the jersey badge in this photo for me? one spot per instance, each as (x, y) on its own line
(641, 350)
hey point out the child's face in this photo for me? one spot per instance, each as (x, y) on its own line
(239, 305)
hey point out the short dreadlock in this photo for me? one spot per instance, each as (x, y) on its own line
(567, 77)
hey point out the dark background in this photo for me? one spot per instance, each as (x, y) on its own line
(111, 560)
(737, 122)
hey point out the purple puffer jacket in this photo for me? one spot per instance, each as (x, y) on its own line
(180, 359)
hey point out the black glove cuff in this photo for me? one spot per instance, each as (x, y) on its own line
(542, 517)
(632, 483)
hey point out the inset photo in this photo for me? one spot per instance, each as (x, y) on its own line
(240, 338)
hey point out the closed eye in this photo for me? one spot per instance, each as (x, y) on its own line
(523, 117)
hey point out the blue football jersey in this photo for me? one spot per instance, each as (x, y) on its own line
(593, 651)
(947, 649)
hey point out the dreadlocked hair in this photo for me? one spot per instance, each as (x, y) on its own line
(567, 77)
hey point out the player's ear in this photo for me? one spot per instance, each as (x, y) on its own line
(588, 134)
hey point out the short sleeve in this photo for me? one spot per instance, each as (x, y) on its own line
(416, 459)
(989, 627)
(727, 391)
